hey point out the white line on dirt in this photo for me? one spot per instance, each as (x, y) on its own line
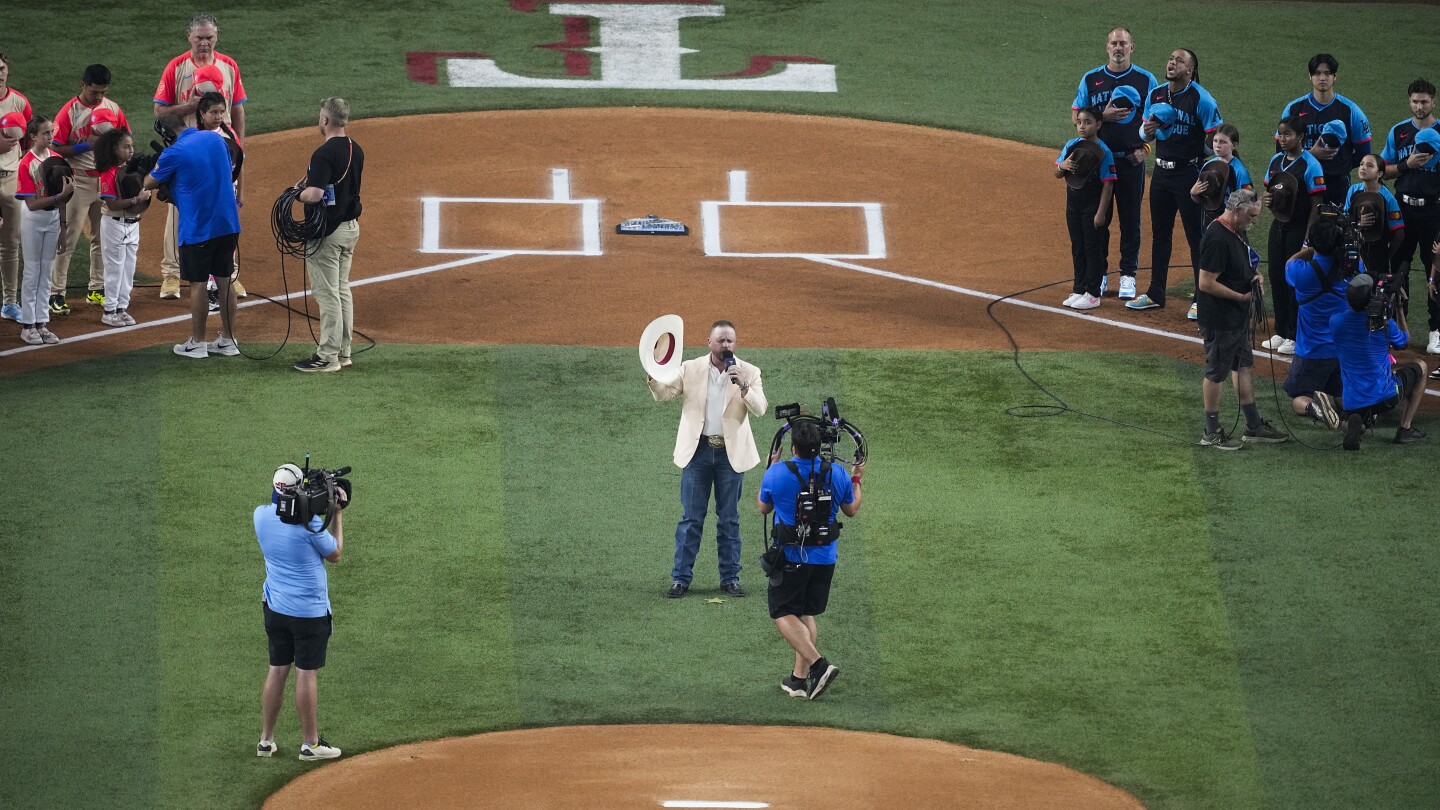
(419, 271)
(1134, 327)
(689, 803)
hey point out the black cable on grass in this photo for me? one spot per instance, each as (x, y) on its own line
(1061, 406)
(1260, 319)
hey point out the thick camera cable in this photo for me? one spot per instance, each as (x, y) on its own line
(1061, 406)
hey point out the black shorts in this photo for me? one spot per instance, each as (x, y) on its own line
(1408, 375)
(803, 591)
(1310, 375)
(1226, 350)
(296, 640)
(213, 257)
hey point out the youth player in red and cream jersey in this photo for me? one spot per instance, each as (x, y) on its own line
(75, 136)
(12, 102)
(178, 93)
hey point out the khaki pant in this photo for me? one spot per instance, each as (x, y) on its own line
(10, 239)
(82, 212)
(329, 270)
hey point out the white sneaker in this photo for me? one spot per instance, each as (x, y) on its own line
(47, 337)
(320, 750)
(1287, 347)
(222, 346)
(1085, 301)
(112, 319)
(192, 349)
(1070, 300)
(266, 748)
(125, 316)
(1273, 343)
(31, 336)
(1104, 284)
(1127, 286)
(1433, 347)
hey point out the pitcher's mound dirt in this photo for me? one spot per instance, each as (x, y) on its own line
(632, 767)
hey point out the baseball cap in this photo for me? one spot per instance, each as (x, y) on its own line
(1358, 292)
(1165, 114)
(13, 120)
(1332, 134)
(1428, 140)
(287, 476)
(211, 74)
(1126, 97)
(102, 120)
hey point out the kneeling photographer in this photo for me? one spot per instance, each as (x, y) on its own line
(1364, 334)
(1319, 274)
(813, 489)
(299, 531)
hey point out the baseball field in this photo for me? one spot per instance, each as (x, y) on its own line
(1068, 606)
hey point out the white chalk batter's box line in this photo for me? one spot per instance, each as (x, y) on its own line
(739, 182)
(430, 208)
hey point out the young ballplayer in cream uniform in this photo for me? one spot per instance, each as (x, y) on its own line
(12, 103)
(73, 140)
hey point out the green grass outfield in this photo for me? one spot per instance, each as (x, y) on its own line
(1207, 630)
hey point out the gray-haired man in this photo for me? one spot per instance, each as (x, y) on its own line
(1228, 285)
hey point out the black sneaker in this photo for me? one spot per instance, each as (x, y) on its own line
(822, 674)
(677, 590)
(214, 301)
(1354, 429)
(314, 363)
(793, 686)
(58, 305)
(1406, 435)
(733, 589)
(1266, 432)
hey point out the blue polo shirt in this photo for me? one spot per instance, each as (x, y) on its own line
(1365, 368)
(1312, 334)
(779, 488)
(197, 167)
(295, 581)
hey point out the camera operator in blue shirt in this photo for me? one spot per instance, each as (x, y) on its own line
(804, 588)
(297, 611)
(1371, 385)
(1317, 273)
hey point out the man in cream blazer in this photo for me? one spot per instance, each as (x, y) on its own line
(714, 448)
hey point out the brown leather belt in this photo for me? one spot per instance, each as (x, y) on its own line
(714, 441)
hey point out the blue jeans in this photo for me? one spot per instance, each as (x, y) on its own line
(709, 469)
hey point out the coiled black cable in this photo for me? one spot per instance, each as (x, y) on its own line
(296, 237)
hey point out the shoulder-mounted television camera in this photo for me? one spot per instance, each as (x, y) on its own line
(313, 495)
(1350, 241)
(833, 430)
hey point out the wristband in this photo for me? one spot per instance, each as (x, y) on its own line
(854, 479)
(80, 148)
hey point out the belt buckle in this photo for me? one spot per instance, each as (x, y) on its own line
(715, 441)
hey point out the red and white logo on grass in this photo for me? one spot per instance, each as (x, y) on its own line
(637, 48)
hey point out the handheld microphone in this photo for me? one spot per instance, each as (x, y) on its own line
(729, 358)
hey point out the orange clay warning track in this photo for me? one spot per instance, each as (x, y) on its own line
(963, 210)
(636, 767)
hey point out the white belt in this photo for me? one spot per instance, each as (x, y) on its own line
(1418, 202)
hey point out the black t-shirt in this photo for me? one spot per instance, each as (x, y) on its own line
(340, 161)
(1222, 251)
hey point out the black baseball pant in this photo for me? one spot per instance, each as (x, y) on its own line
(1129, 195)
(1422, 225)
(1169, 195)
(1284, 243)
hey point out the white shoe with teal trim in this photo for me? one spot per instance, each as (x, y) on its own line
(1127, 287)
